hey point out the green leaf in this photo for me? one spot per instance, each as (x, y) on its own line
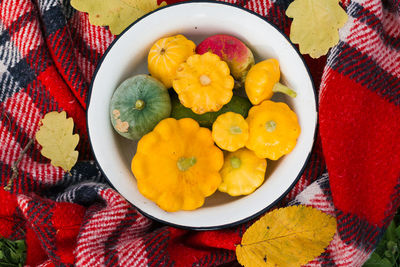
(386, 263)
(388, 254)
(391, 245)
(376, 261)
(397, 231)
(14, 257)
(20, 245)
(12, 253)
(373, 261)
(391, 232)
(381, 247)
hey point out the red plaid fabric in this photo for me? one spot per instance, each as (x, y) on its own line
(48, 53)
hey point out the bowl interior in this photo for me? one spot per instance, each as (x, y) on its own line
(127, 56)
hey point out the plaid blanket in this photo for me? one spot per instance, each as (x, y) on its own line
(48, 53)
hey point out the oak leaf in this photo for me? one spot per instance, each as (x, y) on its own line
(315, 25)
(290, 236)
(117, 14)
(57, 140)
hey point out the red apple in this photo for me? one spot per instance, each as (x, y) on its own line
(231, 50)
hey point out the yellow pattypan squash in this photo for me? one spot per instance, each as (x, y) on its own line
(166, 55)
(273, 129)
(230, 131)
(203, 83)
(242, 172)
(262, 81)
(177, 164)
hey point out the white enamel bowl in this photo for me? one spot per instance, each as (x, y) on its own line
(198, 20)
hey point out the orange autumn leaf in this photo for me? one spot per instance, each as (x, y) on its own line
(290, 236)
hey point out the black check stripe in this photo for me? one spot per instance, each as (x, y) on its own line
(216, 258)
(8, 86)
(39, 59)
(362, 69)
(18, 231)
(357, 232)
(39, 214)
(394, 204)
(113, 239)
(366, 16)
(64, 52)
(155, 244)
(41, 97)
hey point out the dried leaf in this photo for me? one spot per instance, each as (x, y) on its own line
(289, 236)
(117, 14)
(315, 25)
(57, 140)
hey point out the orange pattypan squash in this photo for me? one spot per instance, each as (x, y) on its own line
(166, 55)
(203, 83)
(273, 129)
(242, 172)
(177, 165)
(230, 131)
(262, 81)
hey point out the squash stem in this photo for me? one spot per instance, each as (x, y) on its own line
(270, 126)
(139, 105)
(184, 164)
(235, 130)
(236, 162)
(278, 87)
(204, 80)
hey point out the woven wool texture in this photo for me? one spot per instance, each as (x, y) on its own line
(48, 54)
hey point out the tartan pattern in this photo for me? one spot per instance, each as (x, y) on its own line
(48, 54)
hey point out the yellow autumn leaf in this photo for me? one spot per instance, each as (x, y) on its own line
(315, 25)
(290, 236)
(57, 140)
(117, 14)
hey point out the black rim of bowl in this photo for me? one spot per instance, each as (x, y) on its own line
(228, 225)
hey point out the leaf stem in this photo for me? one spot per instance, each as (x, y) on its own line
(14, 167)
